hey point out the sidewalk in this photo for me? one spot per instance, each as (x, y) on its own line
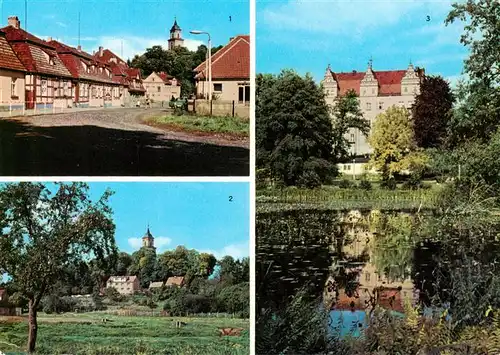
(53, 110)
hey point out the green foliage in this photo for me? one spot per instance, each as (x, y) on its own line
(112, 294)
(431, 112)
(393, 143)
(478, 114)
(346, 115)
(364, 184)
(43, 231)
(298, 328)
(293, 130)
(346, 183)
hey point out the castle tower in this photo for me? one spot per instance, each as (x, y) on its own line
(148, 241)
(175, 39)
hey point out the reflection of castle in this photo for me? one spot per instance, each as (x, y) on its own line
(392, 294)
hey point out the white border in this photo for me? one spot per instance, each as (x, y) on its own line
(252, 174)
(129, 178)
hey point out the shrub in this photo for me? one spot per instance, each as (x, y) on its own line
(345, 184)
(365, 185)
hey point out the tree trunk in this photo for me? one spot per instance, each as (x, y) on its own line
(33, 327)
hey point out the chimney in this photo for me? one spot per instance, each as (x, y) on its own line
(79, 48)
(49, 39)
(14, 22)
(100, 51)
(230, 39)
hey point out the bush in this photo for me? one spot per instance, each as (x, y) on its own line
(112, 294)
(389, 184)
(55, 304)
(365, 185)
(345, 184)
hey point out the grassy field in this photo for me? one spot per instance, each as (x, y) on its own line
(225, 125)
(87, 334)
(333, 197)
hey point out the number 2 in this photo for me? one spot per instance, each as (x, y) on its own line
(230, 198)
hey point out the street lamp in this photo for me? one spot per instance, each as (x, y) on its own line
(209, 64)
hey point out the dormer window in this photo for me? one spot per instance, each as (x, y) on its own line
(51, 61)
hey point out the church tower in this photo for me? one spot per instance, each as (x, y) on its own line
(175, 39)
(148, 241)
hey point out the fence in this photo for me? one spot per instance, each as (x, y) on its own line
(219, 108)
(155, 313)
(14, 109)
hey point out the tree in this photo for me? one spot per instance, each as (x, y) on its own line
(431, 112)
(346, 115)
(479, 113)
(393, 143)
(294, 131)
(43, 231)
(144, 265)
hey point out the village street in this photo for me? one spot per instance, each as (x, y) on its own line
(112, 142)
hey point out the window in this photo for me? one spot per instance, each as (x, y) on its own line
(218, 87)
(406, 89)
(327, 92)
(348, 166)
(352, 137)
(380, 105)
(13, 91)
(43, 86)
(368, 106)
(367, 277)
(159, 88)
(364, 91)
(373, 91)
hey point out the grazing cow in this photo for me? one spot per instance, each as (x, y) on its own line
(230, 331)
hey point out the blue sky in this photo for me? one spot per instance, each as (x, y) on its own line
(307, 35)
(138, 24)
(196, 215)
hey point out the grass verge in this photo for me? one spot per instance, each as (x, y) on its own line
(233, 126)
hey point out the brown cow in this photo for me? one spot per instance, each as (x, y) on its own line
(230, 331)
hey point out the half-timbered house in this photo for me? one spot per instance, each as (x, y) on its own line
(129, 78)
(48, 82)
(92, 79)
(11, 77)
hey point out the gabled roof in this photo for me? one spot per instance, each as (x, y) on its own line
(165, 77)
(74, 59)
(157, 284)
(230, 62)
(33, 53)
(127, 279)
(8, 59)
(175, 281)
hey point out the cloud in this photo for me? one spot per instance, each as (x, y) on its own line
(61, 24)
(135, 45)
(160, 243)
(237, 251)
(346, 17)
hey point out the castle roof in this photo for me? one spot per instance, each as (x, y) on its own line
(389, 81)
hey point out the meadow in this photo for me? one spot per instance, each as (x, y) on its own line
(87, 334)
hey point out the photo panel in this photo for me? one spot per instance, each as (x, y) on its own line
(125, 88)
(124, 268)
(376, 177)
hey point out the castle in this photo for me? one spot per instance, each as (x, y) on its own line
(377, 91)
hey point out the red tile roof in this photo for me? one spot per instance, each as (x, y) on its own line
(75, 59)
(8, 59)
(389, 81)
(165, 77)
(230, 62)
(121, 71)
(175, 281)
(35, 54)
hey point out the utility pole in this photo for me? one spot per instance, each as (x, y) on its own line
(26, 15)
(79, 29)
